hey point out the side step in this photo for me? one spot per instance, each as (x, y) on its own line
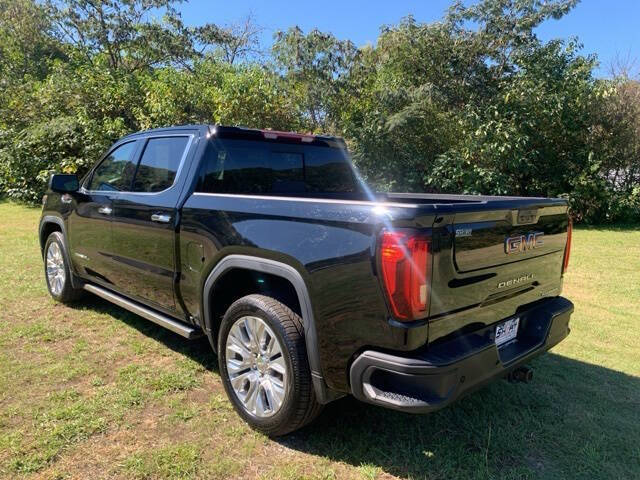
(169, 323)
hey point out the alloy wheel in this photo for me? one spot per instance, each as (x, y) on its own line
(55, 268)
(256, 366)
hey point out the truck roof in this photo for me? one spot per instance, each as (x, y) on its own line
(226, 131)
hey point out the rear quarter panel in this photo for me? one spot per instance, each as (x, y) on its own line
(331, 243)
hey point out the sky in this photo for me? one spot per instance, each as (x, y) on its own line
(608, 28)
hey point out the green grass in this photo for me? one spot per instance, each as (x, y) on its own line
(93, 391)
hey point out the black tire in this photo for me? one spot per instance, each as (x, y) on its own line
(299, 406)
(67, 293)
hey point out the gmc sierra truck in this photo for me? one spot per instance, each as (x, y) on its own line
(309, 286)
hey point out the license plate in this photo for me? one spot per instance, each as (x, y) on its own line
(507, 331)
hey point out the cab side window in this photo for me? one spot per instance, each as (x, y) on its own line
(116, 171)
(249, 167)
(265, 168)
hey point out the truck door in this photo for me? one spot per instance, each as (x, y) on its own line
(91, 218)
(144, 223)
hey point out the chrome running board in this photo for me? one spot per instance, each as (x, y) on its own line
(169, 323)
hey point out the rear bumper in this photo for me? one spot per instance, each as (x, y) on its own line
(435, 378)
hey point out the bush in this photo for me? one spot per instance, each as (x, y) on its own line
(28, 156)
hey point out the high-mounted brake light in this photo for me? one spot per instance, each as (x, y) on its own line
(406, 273)
(567, 248)
(274, 134)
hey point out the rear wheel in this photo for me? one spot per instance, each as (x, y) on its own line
(56, 269)
(264, 367)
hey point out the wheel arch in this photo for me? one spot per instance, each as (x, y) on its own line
(48, 225)
(235, 283)
(293, 276)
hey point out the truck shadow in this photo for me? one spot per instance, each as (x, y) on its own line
(197, 349)
(575, 420)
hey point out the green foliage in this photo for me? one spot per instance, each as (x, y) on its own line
(315, 67)
(125, 35)
(475, 103)
(26, 41)
(478, 104)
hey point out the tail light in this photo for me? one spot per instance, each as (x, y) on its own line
(406, 273)
(567, 248)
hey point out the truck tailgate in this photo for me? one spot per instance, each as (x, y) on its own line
(491, 261)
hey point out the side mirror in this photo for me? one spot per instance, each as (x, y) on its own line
(64, 183)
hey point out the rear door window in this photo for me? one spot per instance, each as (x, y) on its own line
(159, 163)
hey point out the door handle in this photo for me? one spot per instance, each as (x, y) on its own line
(158, 217)
(105, 210)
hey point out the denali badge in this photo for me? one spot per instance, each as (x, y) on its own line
(523, 243)
(515, 281)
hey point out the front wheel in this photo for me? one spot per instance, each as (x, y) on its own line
(264, 366)
(57, 272)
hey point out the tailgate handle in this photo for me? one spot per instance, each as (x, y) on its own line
(527, 217)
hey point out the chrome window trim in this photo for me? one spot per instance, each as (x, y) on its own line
(370, 203)
(145, 139)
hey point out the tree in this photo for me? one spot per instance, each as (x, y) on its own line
(315, 67)
(27, 43)
(477, 103)
(241, 40)
(474, 103)
(127, 35)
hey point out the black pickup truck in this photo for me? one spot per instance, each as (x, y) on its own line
(308, 285)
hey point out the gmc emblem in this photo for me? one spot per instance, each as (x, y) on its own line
(522, 243)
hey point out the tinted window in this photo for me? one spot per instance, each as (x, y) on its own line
(159, 164)
(254, 167)
(116, 171)
(327, 170)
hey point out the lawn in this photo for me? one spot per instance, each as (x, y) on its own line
(92, 391)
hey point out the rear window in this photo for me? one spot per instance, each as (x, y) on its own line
(255, 167)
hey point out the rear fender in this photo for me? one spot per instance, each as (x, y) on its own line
(263, 265)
